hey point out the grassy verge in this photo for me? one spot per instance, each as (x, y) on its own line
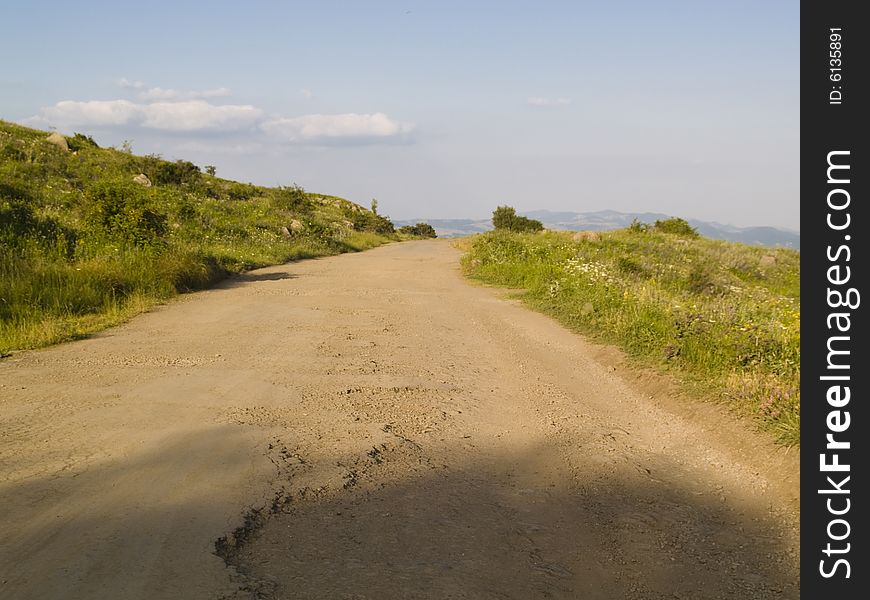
(84, 247)
(723, 317)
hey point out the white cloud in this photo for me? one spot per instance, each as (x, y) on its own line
(547, 102)
(157, 93)
(195, 115)
(168, 110)
(151, 94)
(350, 127)
(94, 112)
(192, 115)
(128, 84)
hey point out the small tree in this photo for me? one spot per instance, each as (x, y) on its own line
(122, 211)
(374, 206)
(676, 226)
(292, 198)
(423, 230)
(505, 217)
(369, 221)
(638, 227)
(80, 141)
(211, 170)
(175, 173)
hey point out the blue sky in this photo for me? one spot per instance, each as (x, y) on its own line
(437, 109)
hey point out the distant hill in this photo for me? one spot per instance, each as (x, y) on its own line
(603, 220)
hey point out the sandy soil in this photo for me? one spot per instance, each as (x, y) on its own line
(373, 426)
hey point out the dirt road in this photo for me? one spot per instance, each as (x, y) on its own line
(372, 426)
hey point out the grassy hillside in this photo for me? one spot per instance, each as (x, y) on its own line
(83, 246)
(723, 317)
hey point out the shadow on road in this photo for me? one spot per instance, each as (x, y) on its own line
(406, 527)
(476, 533)
(260, 276)
(139, 527)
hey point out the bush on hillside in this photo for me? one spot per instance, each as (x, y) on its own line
(638, 226)
(175, 173)
(676, 226)
(293, 199)
(80, 141)
(505, 217)
(120, 211)
(369, 221)
(423, 230)
(240, 191)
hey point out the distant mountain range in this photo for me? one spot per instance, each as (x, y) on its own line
(603, 220)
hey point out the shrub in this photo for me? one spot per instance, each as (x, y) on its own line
(381, 224)
(676, 226)
(240, 191)
(121, 212)
(369, 221)
(423, 230)
(80, 141)
(505, 217)
(292, 198)
(175, 173)
(638, 227)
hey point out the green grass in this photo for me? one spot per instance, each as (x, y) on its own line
(83, 247)
(722, 317)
